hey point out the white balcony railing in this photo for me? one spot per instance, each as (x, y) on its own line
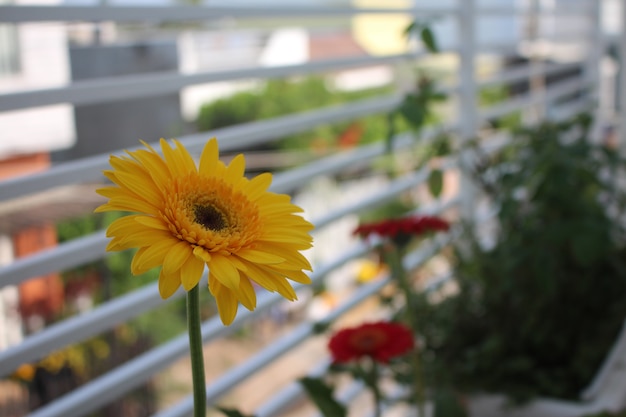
(555, 99)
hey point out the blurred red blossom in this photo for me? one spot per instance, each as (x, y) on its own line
(380, 341)
(403, 227)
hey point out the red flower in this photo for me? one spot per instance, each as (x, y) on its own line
(403, 227)
(381, 341)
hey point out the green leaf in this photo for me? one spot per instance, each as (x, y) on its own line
(413, 111)
(441, 146)
(435, 182)
(320, 327)
(231, 412)
(429, 39)
(411, 28)
(322, 395)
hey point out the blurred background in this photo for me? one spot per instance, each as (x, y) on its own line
(311, 90)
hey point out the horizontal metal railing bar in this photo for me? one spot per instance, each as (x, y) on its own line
(124, 378)
(580, 38)
(96, 13)
(81, 327)
(555, 91)
(104, 90)
(576, 9)
(570, 109)
(289, 394)
(58, 258)
(230, 138)
(296, 336)
(66, 13)
(391, 191)
(524, 72)
(513, 48)
(502, 48)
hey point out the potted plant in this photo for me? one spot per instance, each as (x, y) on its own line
(536, 310)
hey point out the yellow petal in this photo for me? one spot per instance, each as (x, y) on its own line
(259, 257)
(287, 236)
(294, 258)
(227, 303)
(150, 257)
(119, 227)
(116, 245)
(298, 276)
(150, 221)
(262, 276)
(246, 293)
(146, 237)
(155, 165)
(236, 169)
(176, 161)
(124, 202)
(240, 264)
(257, 186)
(191, 272)
(185, 157)
(135, 178)
(209, 158)
(285, 289)
(202, 254)
(168, 284)
(224, 271)
(176, 257)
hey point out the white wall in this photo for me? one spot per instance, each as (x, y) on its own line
(44, 64)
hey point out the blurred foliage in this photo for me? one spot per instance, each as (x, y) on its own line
(282, 97)
(491, 97)
(231, 412)
(321, 393)
(536, 312)
(423, 31)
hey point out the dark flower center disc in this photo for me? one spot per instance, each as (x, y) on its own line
(209, 217)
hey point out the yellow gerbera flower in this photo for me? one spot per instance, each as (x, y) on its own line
(210, 215)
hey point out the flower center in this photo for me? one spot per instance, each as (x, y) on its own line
(368, 340)
(211, 213)
(210, 217)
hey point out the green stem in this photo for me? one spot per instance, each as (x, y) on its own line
(372, 379)
(195, 350)
(397, 269)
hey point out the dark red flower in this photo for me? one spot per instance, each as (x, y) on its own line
(403, 227)
(380, 341)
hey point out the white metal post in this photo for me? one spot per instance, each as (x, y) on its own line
(537, 82)
(622, 80)
(467, 114)
(595, 55)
